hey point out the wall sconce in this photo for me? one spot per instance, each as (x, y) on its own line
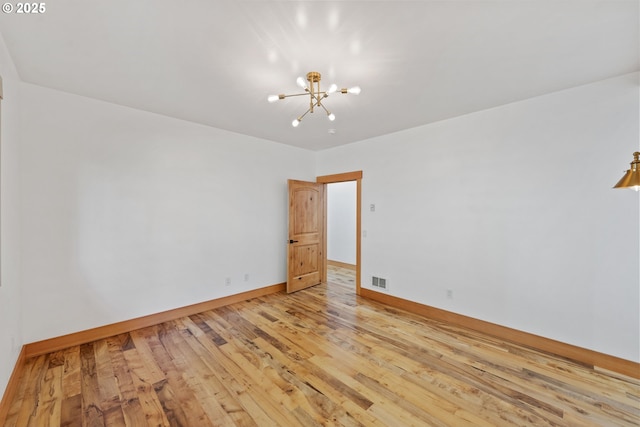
(631, 178)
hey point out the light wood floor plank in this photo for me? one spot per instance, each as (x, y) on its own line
(150, 404)
(318, 357)
(21, 402)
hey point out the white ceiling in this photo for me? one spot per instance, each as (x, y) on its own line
(214, 62)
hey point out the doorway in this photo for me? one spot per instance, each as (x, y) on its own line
(341, 233)
(353, 262)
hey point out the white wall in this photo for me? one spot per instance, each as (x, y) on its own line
(512, 210)
(128, 213)
(125, 213)
(10, 288)
(341, 222)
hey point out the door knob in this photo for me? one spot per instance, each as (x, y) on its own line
(293, 241)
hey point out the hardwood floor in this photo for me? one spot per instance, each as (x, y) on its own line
(341, 276)
(321, 356)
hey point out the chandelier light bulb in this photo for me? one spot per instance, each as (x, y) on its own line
(354, 90)
(273, 98)
(302, 82)
(295, 123)
(332, 88)
(331, 116)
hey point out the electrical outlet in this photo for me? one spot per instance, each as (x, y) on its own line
(246, 277)
(449, 294)
(227, 281)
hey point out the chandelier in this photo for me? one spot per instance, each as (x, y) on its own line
(315, 95)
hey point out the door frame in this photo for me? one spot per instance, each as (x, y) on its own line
(344, 177)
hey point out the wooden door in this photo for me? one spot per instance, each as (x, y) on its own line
(307, 238)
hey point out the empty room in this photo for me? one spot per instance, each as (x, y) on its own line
(320, 213)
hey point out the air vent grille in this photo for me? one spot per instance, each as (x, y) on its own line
(378, 282)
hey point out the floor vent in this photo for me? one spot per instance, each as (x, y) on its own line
(378, 282)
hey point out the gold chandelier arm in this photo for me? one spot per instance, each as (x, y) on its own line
(318, 99)
(294, 94)
(314, 95)
(310, 109)
(305, 113)
(324, 108)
